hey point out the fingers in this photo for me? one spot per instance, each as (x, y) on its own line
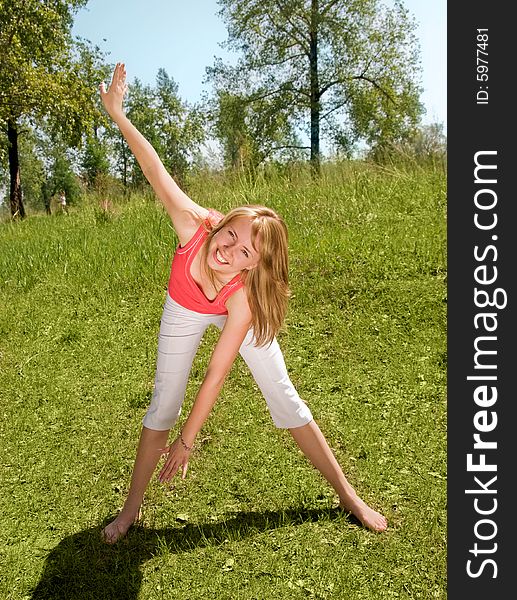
(119, 74)
(176, 459)
(171, 467)
(118, 79)
(169, 470)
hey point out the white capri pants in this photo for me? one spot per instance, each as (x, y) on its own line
(181, 331)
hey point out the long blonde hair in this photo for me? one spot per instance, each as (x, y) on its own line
(266, 284)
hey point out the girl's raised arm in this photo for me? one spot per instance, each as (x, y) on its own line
(179, 206)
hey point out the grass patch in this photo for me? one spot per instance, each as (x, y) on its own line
(365, 345)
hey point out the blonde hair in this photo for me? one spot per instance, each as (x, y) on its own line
(266, 284)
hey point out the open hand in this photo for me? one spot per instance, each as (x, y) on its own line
(178, 457)
(112, 99)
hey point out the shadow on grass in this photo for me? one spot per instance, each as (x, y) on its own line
(82, 567)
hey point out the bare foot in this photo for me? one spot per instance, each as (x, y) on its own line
(117, 529)
(369, 518)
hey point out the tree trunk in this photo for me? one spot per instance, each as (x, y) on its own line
(124, 163)
(315, 90)
(15, 189)
(47, 195)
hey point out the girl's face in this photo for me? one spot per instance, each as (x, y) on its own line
(231, 250)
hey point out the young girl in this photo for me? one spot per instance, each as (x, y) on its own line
(230, 271)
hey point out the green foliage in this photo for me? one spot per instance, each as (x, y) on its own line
(180, 127)
(46, 165)
(349, 68)
(58, 175)
(94, 161)
(251, 131)
(365, 346)
(33, 168)
(427, 141)
(173, 128)
(44, 73)
(38, 76)
(61, 178)
(427, 144)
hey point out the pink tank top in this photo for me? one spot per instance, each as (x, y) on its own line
(182, 287)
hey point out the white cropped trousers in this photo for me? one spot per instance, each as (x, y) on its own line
(181, 331)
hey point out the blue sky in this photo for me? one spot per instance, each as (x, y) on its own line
(183, 38)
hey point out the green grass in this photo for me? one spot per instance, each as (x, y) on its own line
(365, 345)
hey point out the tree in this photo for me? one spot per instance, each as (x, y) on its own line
(250, 132)
(47, 166)
(33, 168)
(92, 70)
(94, 159)
(40, 77)
(426, 143)
(349, 66)
(141, 111)
(173, 128)
(59, 173)
(180, 127)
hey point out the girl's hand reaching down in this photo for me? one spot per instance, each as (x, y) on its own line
(178, 457)
(113, 98)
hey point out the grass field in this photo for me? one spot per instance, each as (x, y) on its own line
(365, 345)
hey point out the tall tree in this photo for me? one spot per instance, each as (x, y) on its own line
(250, 132)
(33, 168)
(180, 127)
(173, 128)
(94, 156)
(348, 65)
(59, 175)
(142, 113)
(40, 77)
(47, 165)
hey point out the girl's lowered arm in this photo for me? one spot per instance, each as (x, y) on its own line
(224, 354)
(178, 205)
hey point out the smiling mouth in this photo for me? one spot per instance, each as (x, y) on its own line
(220, 259)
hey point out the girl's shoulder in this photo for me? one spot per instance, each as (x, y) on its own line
(237, 304)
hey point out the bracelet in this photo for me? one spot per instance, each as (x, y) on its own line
(188, 448)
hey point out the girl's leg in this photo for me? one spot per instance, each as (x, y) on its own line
(314, 445)
(289, 412)
(181, 331)
(147, 457)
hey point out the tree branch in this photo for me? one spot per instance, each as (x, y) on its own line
(363, 77)
(271, 150)
(301, 41)
(280, 62)
(329, 85)
(280, 90)
(287, 18)
(291, 146)
(302, 92)
(376, 85)
(327, 8)
(337, 107)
